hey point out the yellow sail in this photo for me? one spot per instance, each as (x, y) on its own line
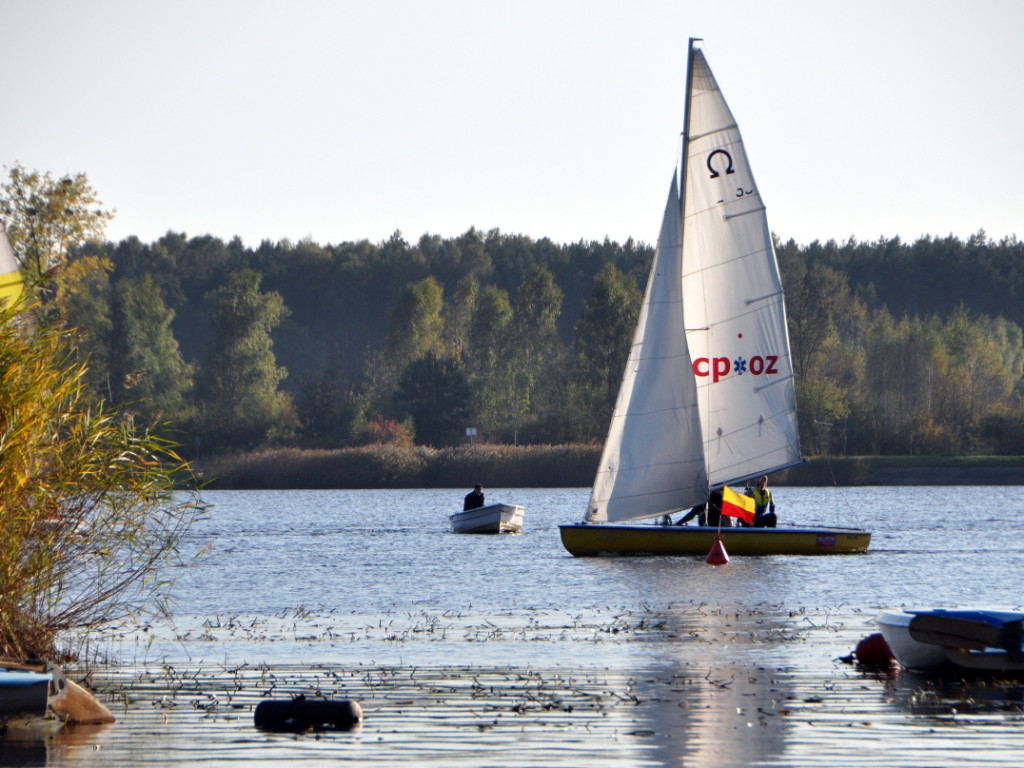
(11, 283)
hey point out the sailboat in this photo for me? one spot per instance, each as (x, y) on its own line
(707, 398)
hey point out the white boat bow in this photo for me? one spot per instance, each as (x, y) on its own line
(978, 640)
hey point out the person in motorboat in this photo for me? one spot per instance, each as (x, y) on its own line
(474, 499)
(764, 504)
(709, 514)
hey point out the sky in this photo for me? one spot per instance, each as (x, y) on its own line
(345, 120)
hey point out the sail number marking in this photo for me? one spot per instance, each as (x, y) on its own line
(720, 367)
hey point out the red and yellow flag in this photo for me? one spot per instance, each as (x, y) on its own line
(737, 505)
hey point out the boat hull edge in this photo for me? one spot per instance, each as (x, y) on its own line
(597, 540)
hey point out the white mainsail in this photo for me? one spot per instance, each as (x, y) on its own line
(708, 396)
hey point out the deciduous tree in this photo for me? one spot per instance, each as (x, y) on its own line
(536, 348)
(435, 394)
(148, 370)
(239, 377)
(46, 220)
(599, 352)
(487, 362)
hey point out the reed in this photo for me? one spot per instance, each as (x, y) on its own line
(386, 466)
(87, 511)
(556, 466)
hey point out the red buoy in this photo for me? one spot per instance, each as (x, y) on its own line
(874, 652)
(718, 555)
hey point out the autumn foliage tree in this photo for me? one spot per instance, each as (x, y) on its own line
(89, 513)
(46, 220)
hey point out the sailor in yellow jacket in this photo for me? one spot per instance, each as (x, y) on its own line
(764, 505)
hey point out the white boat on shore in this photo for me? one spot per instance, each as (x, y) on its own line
(492, 518)
(977, 640)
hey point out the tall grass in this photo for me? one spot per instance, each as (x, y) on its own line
(382, 466)
(87, 514)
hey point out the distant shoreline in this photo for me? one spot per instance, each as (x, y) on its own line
(556, 466)
(906, 470)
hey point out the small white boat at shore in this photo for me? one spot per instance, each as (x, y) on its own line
(977, 640)
(493, 518)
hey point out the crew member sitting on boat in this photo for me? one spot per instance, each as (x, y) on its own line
(764, 504)
(709, 514)
(474, 499)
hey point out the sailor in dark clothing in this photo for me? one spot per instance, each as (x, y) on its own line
(709, 514)
(474, 499)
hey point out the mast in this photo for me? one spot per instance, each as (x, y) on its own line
(683, 168)
(686, 126)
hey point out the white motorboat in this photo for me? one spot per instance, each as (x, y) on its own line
(493, 518)
(978, 640)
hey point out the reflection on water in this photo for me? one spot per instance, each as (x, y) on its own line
(720, 703)
(47, 742)
(949, 698)
(504, 650)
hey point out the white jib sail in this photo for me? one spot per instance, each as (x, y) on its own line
(652, 461)
(732, 298)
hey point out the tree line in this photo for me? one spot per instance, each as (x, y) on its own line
(907, 348)
(899, 348)
(331, 346)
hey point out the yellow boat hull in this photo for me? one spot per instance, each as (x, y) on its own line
(596, 540)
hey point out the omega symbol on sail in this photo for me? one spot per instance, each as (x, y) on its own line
(728, 163)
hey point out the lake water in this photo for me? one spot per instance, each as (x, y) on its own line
(506, 651)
